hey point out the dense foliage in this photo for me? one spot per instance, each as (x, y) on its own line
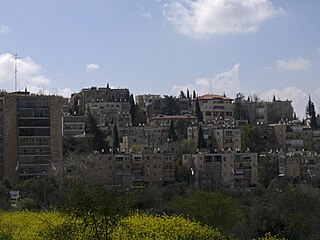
(53, 225)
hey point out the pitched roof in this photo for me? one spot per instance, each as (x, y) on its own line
(210, 96)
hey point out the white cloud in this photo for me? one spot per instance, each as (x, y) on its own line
(227, 81)
(177, 88)
(4, 29)
(143, 12)
(65, 92)
(146, 15)
(297, 64)
(29, 73)
(200, 18)
(298, 97)
(91, 67)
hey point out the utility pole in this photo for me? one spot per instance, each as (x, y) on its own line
(15, 72)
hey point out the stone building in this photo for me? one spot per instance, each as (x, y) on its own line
(293, 136)
(218, 138)
(215, 108)
(80, 100)
(228, 168)
(297, 165)
(73, 126)
(134, 170)
(31, 127)
(265, 112)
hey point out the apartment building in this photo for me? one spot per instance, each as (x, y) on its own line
(103, 94)
(218, 138)
(110, 112)
(228, 168)
(297, 165)
(134, 170)
(74, 126)
(31, 127)
(293, 136)
(215, 107)
(268, 112)
(149, 103)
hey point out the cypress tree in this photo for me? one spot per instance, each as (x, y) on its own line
(116, 141)
(172, 132)
(133, 110)
(198, 112)
(312, 114)
(201, 141)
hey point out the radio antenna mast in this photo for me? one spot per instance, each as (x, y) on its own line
(15, 72)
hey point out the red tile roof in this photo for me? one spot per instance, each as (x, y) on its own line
(210, 96)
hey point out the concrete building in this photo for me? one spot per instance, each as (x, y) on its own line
(163, 120)
(228, 168)
(149, 138)
(218, 138)
(95, 95)
(149, 103)
(215, 108)
(74, 126)
(293, 136)
(297, 165)
(261, 112)
(132, 170)
(31, 127)
(110, 112)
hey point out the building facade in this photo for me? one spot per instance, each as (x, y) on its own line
(31, 127)
(227, 169)
(215, 108)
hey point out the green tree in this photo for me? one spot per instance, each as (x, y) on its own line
(116, 140)
(251, 139)
(4, 197)
(211, 208)
(267, 169)
(96, 208)
(310, 111)
(97, 137)
(288, 211)
(172, 132)
(239, 110)
(170, 106)
(141, 117)
(198, 112)
(182, 94)
(201, 141)
(194, 94)
(133, 110)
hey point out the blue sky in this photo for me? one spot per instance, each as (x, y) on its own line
(258, 47)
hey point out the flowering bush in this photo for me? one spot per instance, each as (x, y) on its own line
(143, 226)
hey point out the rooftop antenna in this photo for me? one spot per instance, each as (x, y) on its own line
(15, 72)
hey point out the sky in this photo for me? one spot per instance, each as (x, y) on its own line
(261, 47)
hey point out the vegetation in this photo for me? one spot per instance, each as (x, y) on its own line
(310, 111)
(94, 211)
(198, 112)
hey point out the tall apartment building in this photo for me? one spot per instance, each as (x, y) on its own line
(31, 135)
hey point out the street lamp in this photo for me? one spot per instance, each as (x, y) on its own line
(191, 174)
